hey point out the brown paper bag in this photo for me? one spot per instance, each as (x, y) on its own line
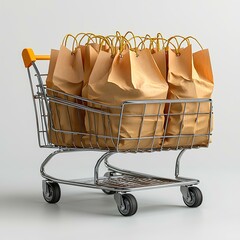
(160, 59)
(159, 53)
(54, 137)
(189, 76)
(67, 77)
(157, 47)
(125, 77)
(91, 52)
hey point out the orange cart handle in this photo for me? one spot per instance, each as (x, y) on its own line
(29, 56)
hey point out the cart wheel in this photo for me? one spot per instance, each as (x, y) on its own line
(108, 192)
(195, 199)
(53, 194)
(130, 205)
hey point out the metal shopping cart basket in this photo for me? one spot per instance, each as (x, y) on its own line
(116, 181)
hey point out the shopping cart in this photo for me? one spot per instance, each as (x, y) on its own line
(116, 181)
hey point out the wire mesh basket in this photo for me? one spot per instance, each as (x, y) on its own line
(137, 126)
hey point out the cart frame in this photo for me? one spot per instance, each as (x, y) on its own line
(116, 181)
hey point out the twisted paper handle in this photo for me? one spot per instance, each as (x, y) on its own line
(187, 39)
(118, 42)
(65, 40)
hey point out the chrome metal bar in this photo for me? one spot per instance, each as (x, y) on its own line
(165, 185)
(181, 125)
(59, 122)
(80, 122)
(193, 138)
(104, 129)
(156, 125)
(119, 125)
(183, 100)
(43, 121)
(87, 108)
(79, 106)
(111, 133)
(210, 121)
(166, 125)
(81, 182)
(41, 85)
(70, 124)
(34, 104)
(128, 172)
(90, 128)
(84, 99)
(157, 101)
(96, 168)
(185, 179)
(96, 129)
(177, 166)
(140, 129)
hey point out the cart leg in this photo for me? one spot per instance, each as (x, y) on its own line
(177, 166)
(96, 168)
(50, 156)
(112, 169)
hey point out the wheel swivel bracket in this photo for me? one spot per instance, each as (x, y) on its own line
(185, 192)
(45, 187)
(119, 200)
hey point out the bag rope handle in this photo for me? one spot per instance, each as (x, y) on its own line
(83, 36)
(187, 39)
(175, 37)
(123, 42)
(143, 41)
(160, 37)
(65, 39)
(102, 40)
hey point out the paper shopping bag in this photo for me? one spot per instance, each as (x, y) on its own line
(53, 136)
(90, 55)
(67, 77)
(126, 76)
(160, 59)
(189, 76)
(159, 53)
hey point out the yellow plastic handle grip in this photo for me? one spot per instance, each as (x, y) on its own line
(29, 57)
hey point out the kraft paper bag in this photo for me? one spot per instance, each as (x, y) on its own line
(126, 76)
(54, 137)
(159, 53)
(189, 76)
(159, 57)
(90, 55)
(67, 77)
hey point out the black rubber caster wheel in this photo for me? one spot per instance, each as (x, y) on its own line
(108, 192)
(53, 194)
(129, 206)
(195, 199)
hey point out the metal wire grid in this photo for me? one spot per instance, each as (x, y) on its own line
(133, 182)
(60, 122)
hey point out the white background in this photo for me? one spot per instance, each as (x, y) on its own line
(86, 213)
